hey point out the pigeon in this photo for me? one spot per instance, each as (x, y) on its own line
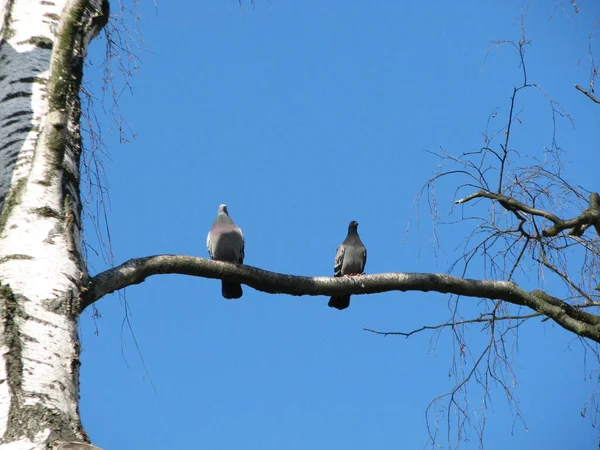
(225, 242)
(350, 259)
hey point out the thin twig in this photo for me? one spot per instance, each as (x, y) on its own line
(486, 320)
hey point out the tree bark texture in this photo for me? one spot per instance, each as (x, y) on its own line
(42, 49)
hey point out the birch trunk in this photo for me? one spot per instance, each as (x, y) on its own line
(42, 48)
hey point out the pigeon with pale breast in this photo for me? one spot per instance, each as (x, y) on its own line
(225, 242)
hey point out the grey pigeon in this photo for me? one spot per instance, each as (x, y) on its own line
(350, 259)
(225, 242)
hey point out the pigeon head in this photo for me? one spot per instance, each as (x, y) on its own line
(353, 226)
(223, 208)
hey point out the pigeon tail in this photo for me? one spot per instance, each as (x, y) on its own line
(231, 290)
(339, 301)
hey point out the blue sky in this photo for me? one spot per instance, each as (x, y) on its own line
(303, 116)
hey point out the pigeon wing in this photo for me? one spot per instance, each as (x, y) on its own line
(339, 261)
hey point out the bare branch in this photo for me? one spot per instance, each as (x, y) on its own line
(509, 201)
(588, 94)
(579, 224)
(485, 320)
(137, 270)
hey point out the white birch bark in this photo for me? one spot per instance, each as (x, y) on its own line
(41, 270)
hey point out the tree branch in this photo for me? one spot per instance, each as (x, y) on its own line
(487, 319)
(588, 94)
(590, 216)
(137, 270)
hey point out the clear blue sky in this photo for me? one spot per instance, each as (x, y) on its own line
(303, 116)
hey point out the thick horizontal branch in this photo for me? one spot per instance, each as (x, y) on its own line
(137, 270)
(590, 216)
